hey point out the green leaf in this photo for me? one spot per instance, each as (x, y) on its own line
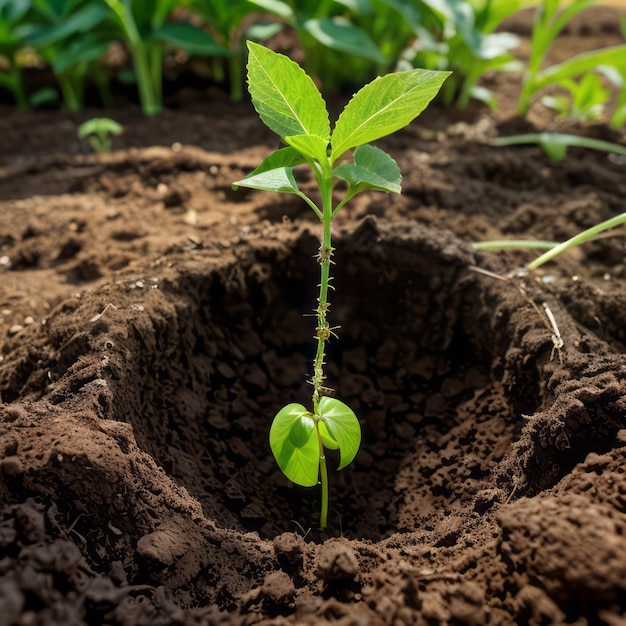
(310, 146)
(98, 125)
(280, 179)
(86, 48)
(190, 39)
(81, 21)
(580, 64)
(384, 106)
(556, 144)
(283, 158)
(343, 426)
(327, 440)
(294, 444)
(373, 168)
(275, 6)
(284, 96)
(339, 34)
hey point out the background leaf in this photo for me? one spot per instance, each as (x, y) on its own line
(284, 96)
(190, 39)
(384, 106)
(339, 34)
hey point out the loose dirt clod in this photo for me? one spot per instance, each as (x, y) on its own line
(336, 561)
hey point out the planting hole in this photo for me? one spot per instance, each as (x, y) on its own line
(411, 360)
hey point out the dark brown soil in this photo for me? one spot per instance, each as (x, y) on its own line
(153, 321)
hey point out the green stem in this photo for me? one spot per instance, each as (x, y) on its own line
(149, 93)
(71, 92)
(155, 59)
(235, 75)
(513, 244)
(323, 480)
(578, 239)
(323, 331)
(101, 80)
(17, 85)
(148, 96)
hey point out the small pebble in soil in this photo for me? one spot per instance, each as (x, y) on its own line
(337, 562)
(289, 548)
(278, 588)
(11, 466)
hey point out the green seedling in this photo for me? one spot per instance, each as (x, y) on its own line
(337, 51)
(585, 100)
(13, 31)
(71, 36)
(460, 37)
(289, 103)
(553, 249)
(231, 22)
(584, 236)
(99, 132)
(555, 145)
(617, 78)
(146, 30)
(549, 22)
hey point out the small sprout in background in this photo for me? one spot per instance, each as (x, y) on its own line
(550, 19)
(289, 103)
(553, 249)
(586, 98)
(99, 131)
(555, 145)
(462, 38)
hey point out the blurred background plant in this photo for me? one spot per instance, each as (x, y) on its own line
(13, 31)
(99, 132)
(232, 23)
(343, 44)
(460, 36)
(583, 94)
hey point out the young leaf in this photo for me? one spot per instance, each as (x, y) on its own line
(310, 146)
(327, 440)
(284, 96)
(384, 106)
(373, 168)
(284, 157)
(294, 444)
(343, 426)
(98, 125)
(279, 179)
